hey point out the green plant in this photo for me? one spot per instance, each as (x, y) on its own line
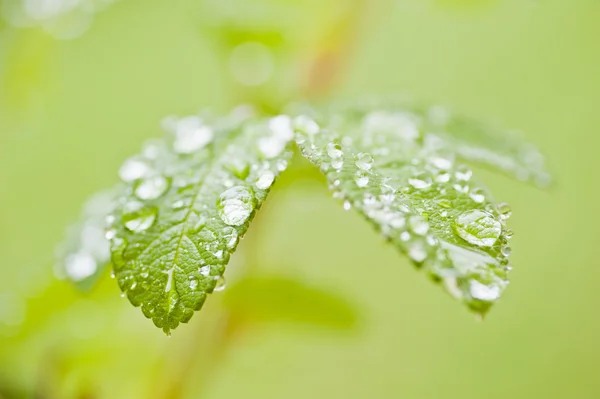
(185, 200)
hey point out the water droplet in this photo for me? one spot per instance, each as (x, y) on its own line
(369, 199)
(231, 237)
(334, 150)
(281, 165)
(110, 234)
(405, 236)
(463, 173)
(221, 283)
(306, 125)
(441, 163)
(506, 250)
(420, 180)
(80, 265)
(281, 126)
(483, 292)
(478, 228)
(236, 205)
(508, 233)
(361, 179)
(193, 284)
(398, 222)
(205, 270)
(461, 188)
(417, 251)
(137, 217)
(265, 180)
(152, 149)
(169, 274)
(134, 168)
(442, 178)
(477, 195)
(418, 225)
(191, 135)
(364, 161)
(504, 210)
(271, 146)
(152, 187)
(337, 163)
(347, 205)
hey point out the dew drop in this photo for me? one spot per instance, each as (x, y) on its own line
(110, 234)
(361, 179)
(506, 250)
(221, 283)
(483, 292)
(191, 135)
(80, 265)
(281, 165)
(169, 274)
(420, 180)
(417, 251)
(477, 195)
(236, 205)
(504, 210)
(271, 146)
(418, 225)
(205, 270)
(281, 126)
(305, 124)
(441, 163)
(137, 217)
(347, 205)
(231, 237)
(463, 173)
(151, 188)
(364, 161)
(442, 178)
(334, 150)
(265, 180)
(337, 163)
(134, 168)
(478, 228)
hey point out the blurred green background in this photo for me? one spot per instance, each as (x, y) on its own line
(72, 110)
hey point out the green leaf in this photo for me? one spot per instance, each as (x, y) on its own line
(85, 253)
(406, 180)
(277, 298)
(188, 200)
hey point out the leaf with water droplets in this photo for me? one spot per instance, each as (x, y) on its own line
(412, 189)
(188, 200)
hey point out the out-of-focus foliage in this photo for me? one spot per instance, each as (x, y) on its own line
(257, 299)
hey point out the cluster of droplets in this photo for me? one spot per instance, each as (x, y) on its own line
(171, 183)
(404, 183)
